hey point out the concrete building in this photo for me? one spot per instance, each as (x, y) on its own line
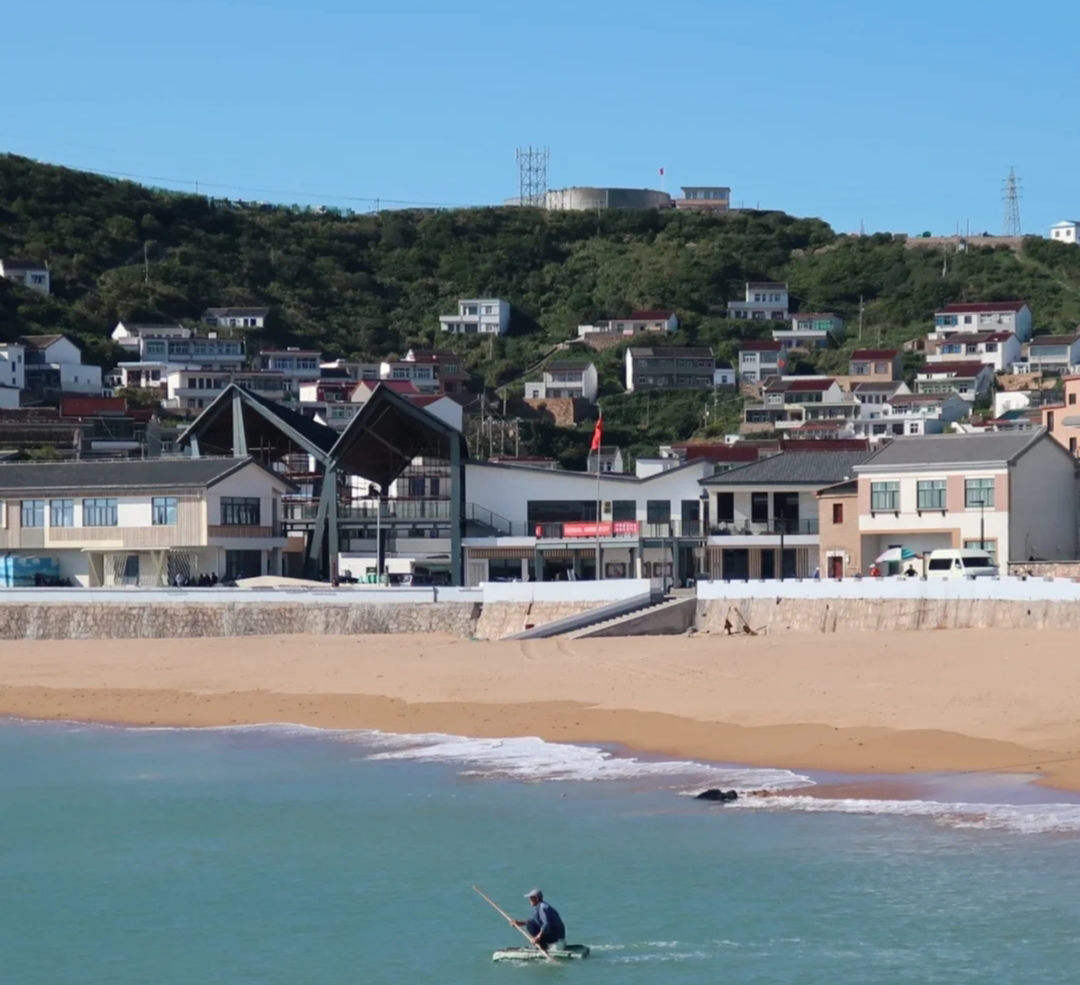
(764, 516)
(127, 334)
(611, 460)
(766, 301)
(990, 316)
(143, 522)
(689, 368)
(1065, 232)
(906, 414)
(10, 397)
(235, 317)
(840, 543)
(33, 274)
(704, 198)
(998, 350)
(724, 376)
(13, 365)
(969, 379)
(450, 374)
(1062, 420)
(791, 401)
(204, 352)
(660, 320)
(54, 365)
(295, 365)
(758, 360)
(195, 389)
(582, 199)
(876, 365)
(811, 330)
(1056, 354)
(484, 316)
(1013, 494)
(565, 379)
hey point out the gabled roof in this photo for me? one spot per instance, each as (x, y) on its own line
(804, 468)
(236, 312)
(761, 285)
(568, 366)
(41, 341)
(16, 263)
(124, 475)
(944, 450)
(861, 355)
(1054, 340)
(881, 386)
(961, 369)
(982, 307)
(849, 487)
(761, 345)
(976, 338)
(810, 386)
(659, 314)
(1065, 222)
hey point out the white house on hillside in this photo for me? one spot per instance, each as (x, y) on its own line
(54, 362)
(1066, 232)
(485, 316)
(996, 349)
(30, 273)
(235, 317)
(990, 316)
(663, 320)
(565, 380)
(763, 302)
(128, 334)
(13, 365)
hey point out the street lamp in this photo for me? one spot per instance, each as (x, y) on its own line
(982, 523)
(373, 490)
(704, 566)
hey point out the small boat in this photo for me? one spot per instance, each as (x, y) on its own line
(568, 952)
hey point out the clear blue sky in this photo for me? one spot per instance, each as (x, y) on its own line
(905, 115)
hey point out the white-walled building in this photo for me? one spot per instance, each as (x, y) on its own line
(811, 330)
(998, 350)
(907, 414)
(766, 301)
(661, 320)
(13, 365)
(565, 379)
(9, 397)
(1012, 493)
(760, 360)
(128, 334)
(969, 379)
(235, 317)
(33, 274)
(485, 316)
(1066, 231)
(1059, 354)
(204, 352)
(679, 368)
(143, 522)
(195, 389)
(54, 362)
(295, 365)
(989, 316)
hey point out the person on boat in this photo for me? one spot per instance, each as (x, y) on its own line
(545, 926)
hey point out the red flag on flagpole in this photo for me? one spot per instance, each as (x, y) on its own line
(661, 172)
(598, 433)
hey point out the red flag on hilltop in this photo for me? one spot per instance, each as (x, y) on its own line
(598, 433)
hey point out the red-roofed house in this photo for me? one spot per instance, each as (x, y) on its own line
(761, 359)
(876, 365)
(990, 316)
(790, 401)
(997, 349)
(969, 379)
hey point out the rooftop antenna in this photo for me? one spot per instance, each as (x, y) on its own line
(532, 175)
(1012, 204)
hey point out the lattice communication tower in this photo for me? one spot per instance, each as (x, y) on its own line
(532, 175)
(1012, 204)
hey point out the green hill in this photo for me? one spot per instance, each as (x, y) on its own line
(371, 285)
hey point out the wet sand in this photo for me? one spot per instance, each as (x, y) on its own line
(866, 704)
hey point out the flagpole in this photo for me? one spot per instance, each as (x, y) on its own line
(599, 511)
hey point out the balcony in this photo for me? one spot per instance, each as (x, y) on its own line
(769, 528)
(245, 532)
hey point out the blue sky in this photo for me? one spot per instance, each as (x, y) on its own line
(905, 116)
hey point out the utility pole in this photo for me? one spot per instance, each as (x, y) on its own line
(860, 316)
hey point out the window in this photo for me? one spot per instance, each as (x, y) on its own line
(163, 511)
(725, 507)
(33, 513)
(658, 511)
(978, 492)
(623, 510)
(1049, 420)
(99, 512)
(239, 511)
(416, 488)
(837, 512)
(759, 507)
(884, 496)
(1072, 399)
(931, 494)
(1072, 445)
(990, 546)
(62, 513)
(991, 347)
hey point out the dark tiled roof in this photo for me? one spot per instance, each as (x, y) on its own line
(236, 312)
(986, 306)
(763, 345)
(953, 369)
(40, 341)
(14, 263)
(690, 352)
(121, 474)
(808, 468)
(1041, 340)
(954, 449)
(871, 354)
(658, 315)
(568, 366)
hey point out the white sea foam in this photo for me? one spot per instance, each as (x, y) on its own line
(1021, 818)
(534, 759)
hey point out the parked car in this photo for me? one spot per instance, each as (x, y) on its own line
(954, 563)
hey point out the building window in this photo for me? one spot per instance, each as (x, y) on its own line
(1072, 399)
(759, 507)
(931, 494)
(163, 511)
(725, 507)
(884, 496)
(990, 546)
(62, 513)
(240, 511)
(623, 510)
(99, 512)
(658, 511)
(978, 492)
(33, 513)
(837, 512)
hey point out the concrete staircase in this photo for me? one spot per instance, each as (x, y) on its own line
(609, 612)
(666, 617)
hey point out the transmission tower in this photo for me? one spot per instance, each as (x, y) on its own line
(1012, 204)
(532, 175)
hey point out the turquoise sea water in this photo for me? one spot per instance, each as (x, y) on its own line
(286, 856)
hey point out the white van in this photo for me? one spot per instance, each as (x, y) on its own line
(954, 563)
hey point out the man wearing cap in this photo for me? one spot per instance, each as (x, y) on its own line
(545, 926)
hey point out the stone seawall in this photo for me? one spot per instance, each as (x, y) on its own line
(795, 615)
(499, 619)
(44, 621)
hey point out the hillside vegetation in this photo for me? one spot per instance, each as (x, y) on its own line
(371, 285)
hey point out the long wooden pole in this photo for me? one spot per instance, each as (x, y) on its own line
(513, 923)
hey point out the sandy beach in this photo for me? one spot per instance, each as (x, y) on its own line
(859, 703)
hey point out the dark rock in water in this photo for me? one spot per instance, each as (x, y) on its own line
(718, 795)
